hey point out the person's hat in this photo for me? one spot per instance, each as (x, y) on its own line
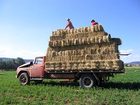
(68, 19)
(92, 20)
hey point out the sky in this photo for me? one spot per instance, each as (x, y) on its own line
(26, 25)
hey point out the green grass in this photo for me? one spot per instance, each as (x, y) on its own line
(123, 89)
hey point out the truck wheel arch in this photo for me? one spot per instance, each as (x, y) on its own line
(22, 72)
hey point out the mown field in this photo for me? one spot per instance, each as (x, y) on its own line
(123, 89)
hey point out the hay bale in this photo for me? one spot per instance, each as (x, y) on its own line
(85, 29)
(92, 29)
(83, 48)
(71, 31)
(75, 31)
(100, 28)
(79, 30)
(89, 29)
(96, 28)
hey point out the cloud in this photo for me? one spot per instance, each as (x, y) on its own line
(134, 56)
(14, 53)
(126, 51)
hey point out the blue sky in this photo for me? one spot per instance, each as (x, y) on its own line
(26, 25)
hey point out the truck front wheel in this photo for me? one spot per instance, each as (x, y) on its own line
(87, 81)
(24, 79)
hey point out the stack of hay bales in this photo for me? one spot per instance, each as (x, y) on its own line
(85, 48)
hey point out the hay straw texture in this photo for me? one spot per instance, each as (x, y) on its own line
(85, 48)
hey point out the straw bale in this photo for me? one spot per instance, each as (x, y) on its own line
(88, 41)
(71, 31)
(89, 29)
(95, 39)
(79, 30)
(85, 29)
(83, 48)
(92, 29)
(68, 66)
(105, 39)
(96, 64)
(75, 42)
(108, 38)
(68, 31)
(75, 31)
(100, 28)
(96, 27)
(55, 32)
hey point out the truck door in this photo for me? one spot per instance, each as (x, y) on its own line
(37, 69)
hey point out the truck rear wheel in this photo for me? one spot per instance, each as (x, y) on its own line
(24, 79)
(87, 81)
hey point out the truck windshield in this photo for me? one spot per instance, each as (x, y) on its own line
(38, 60)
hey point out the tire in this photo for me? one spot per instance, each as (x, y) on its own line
(87, 81)
(24, 79)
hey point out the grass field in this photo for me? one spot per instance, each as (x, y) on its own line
(123, 89)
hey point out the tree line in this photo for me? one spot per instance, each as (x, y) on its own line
(10, 64)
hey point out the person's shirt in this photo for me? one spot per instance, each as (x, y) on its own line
(94, 23)
(69, 25)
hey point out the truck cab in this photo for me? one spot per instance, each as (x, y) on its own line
(31, 71)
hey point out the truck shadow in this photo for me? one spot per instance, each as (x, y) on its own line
(62, 83)
(120, 85)
(109, 85)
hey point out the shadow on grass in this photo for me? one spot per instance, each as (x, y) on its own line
(58, 83)
(120, 85)
(109, 85)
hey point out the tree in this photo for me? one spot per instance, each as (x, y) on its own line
(8, 63)
(2, 65)
(19, 61)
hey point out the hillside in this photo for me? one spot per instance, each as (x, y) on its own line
(12, 63)
(8, 59)
(134, 63)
